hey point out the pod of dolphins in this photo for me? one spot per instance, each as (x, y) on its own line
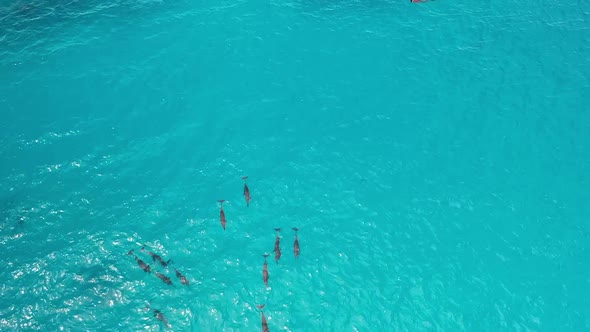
(157, 259)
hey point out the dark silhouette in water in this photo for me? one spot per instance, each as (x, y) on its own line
(277, 249)
(222, 214)
(296, 243)
(164, 278)
(264, 323)
(159, 316)
(246, 191)
(183, 279)
(141, 263)
(157, 258)
(265, 270)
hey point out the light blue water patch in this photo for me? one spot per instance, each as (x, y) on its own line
(434, 156)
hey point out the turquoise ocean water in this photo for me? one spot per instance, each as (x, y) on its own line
(435, 158)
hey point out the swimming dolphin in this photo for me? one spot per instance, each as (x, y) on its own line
(164, 278)
(265, 270)
(183, 279)
(142, 264)
(264, 323)
(277, 249)
(157, 258)
(246, 191)
(160, 316)
(222, 214)
(296, 243)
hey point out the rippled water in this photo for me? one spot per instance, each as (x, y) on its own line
(434, 156)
